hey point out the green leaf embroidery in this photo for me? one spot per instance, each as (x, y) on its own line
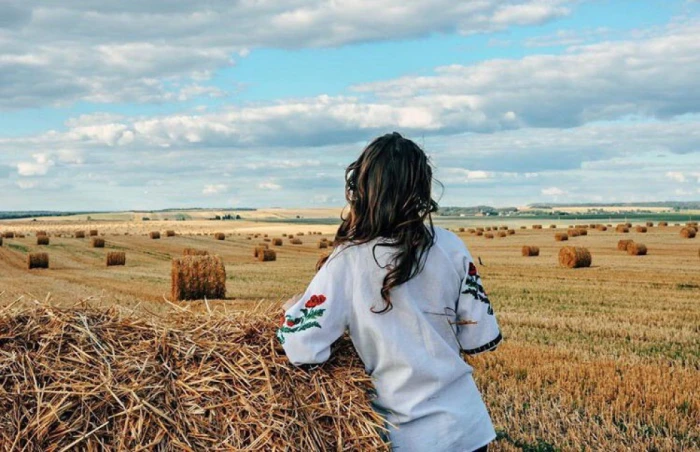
(306, 321)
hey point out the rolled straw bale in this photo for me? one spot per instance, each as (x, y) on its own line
(38, 260)
(9, 235)
(502, 233)
(480, 229)
(155, 235)
(93, 232)
(510, 232)
(623, 244)
(220, 236)
(503, 228)
(523, 227)
(602, 228)
(267, 239)
(488, 235)
(42, 240)
(284, 235)
(622, 228)
(170, 233)
(530, 251)
(194, 252)
(267, 255)
(636, 249)
(116, 258)
(296, 242)
(641, 229)
(561, 237)
(300, 233)
(573, 232)
(0, 240)
(277, 242)
(536, 226)
(471, 230)
(650, 224)
(97, 242)
(574, 257)
(552, 226)
(663, 224)
(629, 225)
(592, 226)
(479, 233)
(183, 381)
(583, 232)
(197, 277)
(79, 234)
(688, 233)
(322, 244)
(461, 229)
(249, 238)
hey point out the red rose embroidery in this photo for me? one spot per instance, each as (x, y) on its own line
(315, 300)
(472, 269)
(290, 323)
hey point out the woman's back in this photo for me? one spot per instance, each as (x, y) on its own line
(424, 387)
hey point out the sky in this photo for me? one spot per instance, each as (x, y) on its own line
(147, 104)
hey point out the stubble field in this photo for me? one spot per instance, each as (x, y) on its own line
(599, 358)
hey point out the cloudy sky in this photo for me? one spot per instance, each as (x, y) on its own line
(147, 104)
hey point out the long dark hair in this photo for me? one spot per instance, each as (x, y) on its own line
(388, 190)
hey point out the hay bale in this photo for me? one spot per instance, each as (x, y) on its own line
(154, 235)
(574, 257)
(561, 237)
(208, 383)
(267, 255)
(0, 240)
(601, 227)
(640, 229)
(461, 229)
(582, 232)
(322, 244)
(220, 236)
(503, 228)
(194, 252)
(300, 233)
(37, 260)
(636, 249)
(116, 258)
(488, 235)
(170, 233)
(573, 232)
(628, 225)
(41, 233)
(552, 226)
(296, 242)
(510, 232)
(479, 233)
(663, 224)
(79, 234)
(259, 249)
(650, 224)
(42, 240)
(277, 242)
(97, 242)
(688, 233)
(622, 228)
(523, 227)
(9, 235)
(93, 232)
(536, 226)
(530, 251)
(623, 244)
(198, 277)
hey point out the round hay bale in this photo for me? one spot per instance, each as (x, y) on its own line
(561, 237)
(198, 277)
(582, 232)
(688, 233)
(623, 244)
(300, 233)
(502, 233)
(79, 234)
(552, 226)
(0, 240)
(510, 232)
(479, 233)
(194, 252)
(503, 228)
(573, 232)
(523, 227)
(277, 242)
(322, 244)
(97, 242)
(488, 235)
(170, 233)
(267, 255)
(93, 232)
(115, 258)
(574, 257)
(663, 224)
(461, 229)
(602, 228)
(221, 236)
(636, 249)
(530, 251)
(37, 260)
(640, 229)
(42, 240)
(650, 224)
(9, 235)
(296, 242)
(480, 229)
(622, 228)
(154, 235)
(267, 240)
(628, 225)
(536, 226)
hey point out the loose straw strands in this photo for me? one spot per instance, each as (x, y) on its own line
(89, 379)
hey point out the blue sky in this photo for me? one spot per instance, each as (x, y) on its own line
(153, 105)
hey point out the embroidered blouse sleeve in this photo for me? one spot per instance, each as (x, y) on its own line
(477, 328)
(319, 318)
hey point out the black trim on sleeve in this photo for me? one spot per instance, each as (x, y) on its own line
(486, 347)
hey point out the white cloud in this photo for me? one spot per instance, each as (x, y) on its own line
(214, 189)
(676, 175)
(269, 186)
(553, 191)
(39, 167)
